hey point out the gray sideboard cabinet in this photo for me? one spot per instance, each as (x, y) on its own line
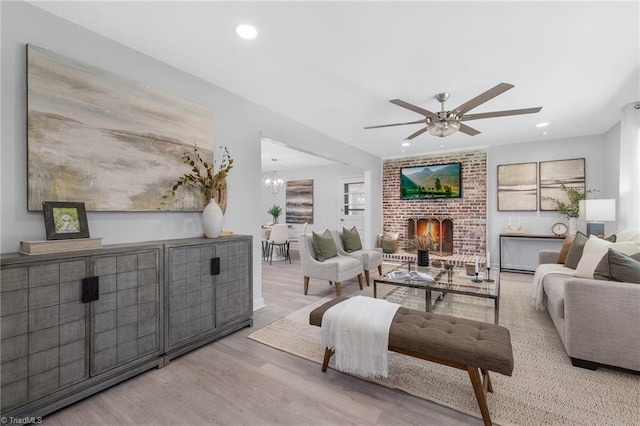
(209, 291)
(57, 349)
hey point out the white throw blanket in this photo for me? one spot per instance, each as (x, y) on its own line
(536, 298)
(358, 332)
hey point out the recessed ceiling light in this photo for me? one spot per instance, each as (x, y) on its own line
(544, 133)
(543, 124)
(246, 31)
(406, 144)
(442, 146)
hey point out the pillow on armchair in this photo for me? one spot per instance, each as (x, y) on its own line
(351, 240)
(324, 245)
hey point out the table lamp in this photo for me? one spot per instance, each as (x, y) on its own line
(595, 212)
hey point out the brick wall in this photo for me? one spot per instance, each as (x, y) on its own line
(468, 213)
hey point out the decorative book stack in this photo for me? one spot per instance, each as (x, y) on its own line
(57, 246)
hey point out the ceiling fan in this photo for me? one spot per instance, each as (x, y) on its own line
(445, 123)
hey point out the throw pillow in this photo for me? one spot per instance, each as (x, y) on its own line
(575, 252)
(594, 250)
(324, 245)
(628, 235)
(566, 245)
(351, 240)
(621, 265)
(388, 246)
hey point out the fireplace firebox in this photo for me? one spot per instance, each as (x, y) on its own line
(440, 228)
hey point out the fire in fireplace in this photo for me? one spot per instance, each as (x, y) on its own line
(440, 228)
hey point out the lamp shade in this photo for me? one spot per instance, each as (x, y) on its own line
(598, 210)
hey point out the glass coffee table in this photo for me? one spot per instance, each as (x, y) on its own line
(452, 280)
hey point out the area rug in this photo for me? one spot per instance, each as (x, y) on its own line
(545, 389)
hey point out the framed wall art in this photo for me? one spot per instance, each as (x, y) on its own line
(299, 201)
(555, 174)
(113, 142)
(65, 220)
(518, 187)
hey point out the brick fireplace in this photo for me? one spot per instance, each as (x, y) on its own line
(459, 223)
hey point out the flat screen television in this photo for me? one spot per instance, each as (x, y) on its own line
(432, 181)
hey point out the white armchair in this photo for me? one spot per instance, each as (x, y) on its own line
(335, 270)
(369, 258)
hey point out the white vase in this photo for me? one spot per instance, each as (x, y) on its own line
(212, 219)
(573, 225)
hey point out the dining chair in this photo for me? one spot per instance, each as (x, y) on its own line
(296, 239)
(279, 237)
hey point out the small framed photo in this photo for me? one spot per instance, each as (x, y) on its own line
(65, 220)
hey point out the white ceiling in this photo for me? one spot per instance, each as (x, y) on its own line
(335, 65)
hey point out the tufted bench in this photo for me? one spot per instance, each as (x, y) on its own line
(474, 346)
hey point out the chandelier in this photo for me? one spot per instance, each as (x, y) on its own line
(273, 182)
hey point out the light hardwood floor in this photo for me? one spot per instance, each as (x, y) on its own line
(237, 381)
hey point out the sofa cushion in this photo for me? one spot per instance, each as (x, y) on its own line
(351, 240)
(617, 266)
(575, 252)
(554, 290)
(324, 245)
(595, 249)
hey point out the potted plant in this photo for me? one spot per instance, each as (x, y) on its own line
(275, 211)
(570, 208)
(212, 186)
(423, 244)
(202, 176)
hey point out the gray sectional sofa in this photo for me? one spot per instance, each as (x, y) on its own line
(598, 320)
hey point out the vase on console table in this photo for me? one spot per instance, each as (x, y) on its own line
(423, 258)
(212, 219)
(573, 225)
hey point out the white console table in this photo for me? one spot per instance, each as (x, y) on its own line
(519, 252)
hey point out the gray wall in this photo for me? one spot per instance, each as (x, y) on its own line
(238, 124)
(598, 175)
(325, 196)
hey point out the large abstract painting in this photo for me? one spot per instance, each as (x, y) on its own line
(110, 142)
(518, 187)
(300, 201)
(555, 174)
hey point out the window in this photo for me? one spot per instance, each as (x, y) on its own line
(353, 199)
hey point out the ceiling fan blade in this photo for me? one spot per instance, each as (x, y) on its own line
(468, 130)
(418, 133)
(411, 107)
(396, 124)
(500, 113)
(482, 98)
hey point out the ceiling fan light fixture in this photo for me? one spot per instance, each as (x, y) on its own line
(444, 128)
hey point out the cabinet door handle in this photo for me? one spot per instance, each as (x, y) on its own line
(90, 289)
(215, 266)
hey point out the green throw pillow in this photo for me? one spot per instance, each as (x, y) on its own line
(617, 266)
(351, 240)
(388, 246)
(324, 246)
(575, 252)
(611, 238)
